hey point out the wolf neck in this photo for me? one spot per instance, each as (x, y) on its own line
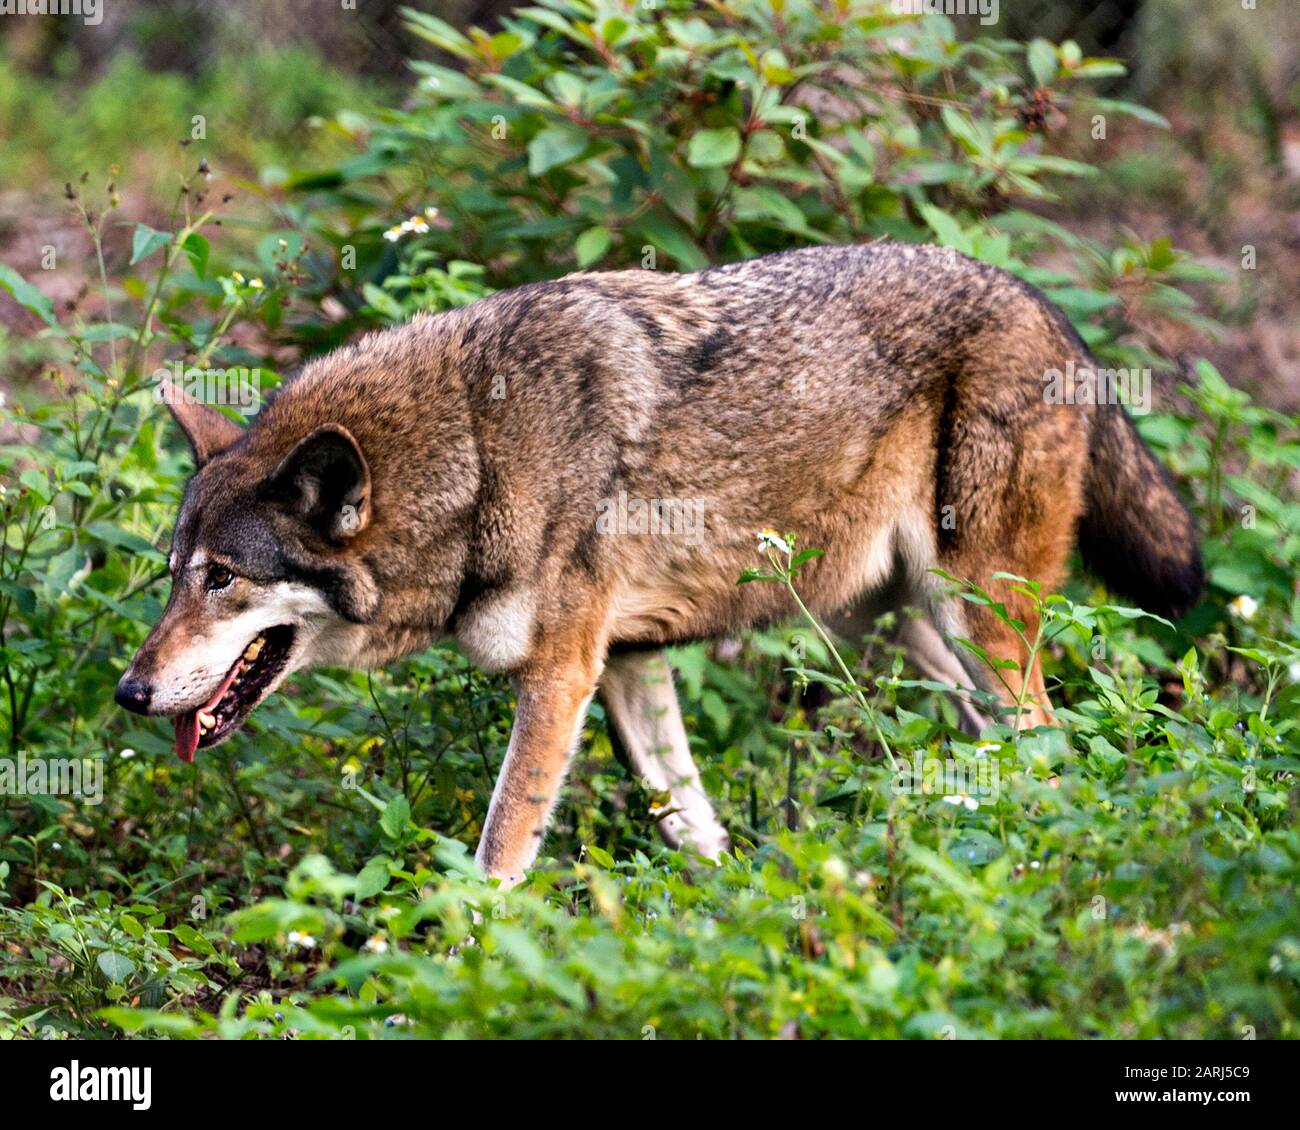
(399, 394)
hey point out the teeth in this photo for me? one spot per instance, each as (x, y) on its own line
(254, 649)
(206, 720)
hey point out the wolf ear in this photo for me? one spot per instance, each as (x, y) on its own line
(209, 431)
(326, 482)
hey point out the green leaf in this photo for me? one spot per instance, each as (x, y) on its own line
(396, 814)
(592, 245)
(197, 248)
(123, 539)
(945, 227)
(1043, 62)
(374, 876)
(553, 147)
(132, 926)
(115, 966)
(668, 236)
(711, 148)
(600, 856)
(36, 482)
(146, 241)
(27, 295)
(439, 33)
(568, 87)
(1142, 113)
(804, 556)
(383, 302)
(192, 939)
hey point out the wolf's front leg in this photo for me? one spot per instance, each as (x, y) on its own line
(552, 698)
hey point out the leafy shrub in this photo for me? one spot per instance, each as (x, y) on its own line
(588, 135)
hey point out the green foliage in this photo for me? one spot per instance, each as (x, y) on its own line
(1133, 875)
(279, 104)
(606, 136)
(600, 131)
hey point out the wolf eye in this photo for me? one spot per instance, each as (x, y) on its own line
(219, 577)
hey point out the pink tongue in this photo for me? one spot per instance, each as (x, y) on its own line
(187, 724)
(187, 734)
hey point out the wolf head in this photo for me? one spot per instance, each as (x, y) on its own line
(267, 574)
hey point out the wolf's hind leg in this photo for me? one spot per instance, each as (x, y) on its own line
(927, 650)
(1009, 674)
(637, 690)
(1023, 694)
(930, 654)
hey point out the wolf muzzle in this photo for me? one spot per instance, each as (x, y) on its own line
(133, 694)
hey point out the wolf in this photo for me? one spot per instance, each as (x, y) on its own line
(445, 478)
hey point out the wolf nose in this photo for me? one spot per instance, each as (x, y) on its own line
(134, 694)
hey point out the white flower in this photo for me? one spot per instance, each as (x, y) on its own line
(301, 941)
(963, 799)
(127, 754)
(770, 539)
(1294, 671)
(377, 944)
(256, 284)
(431, 213)
(835, 869)
(1244, 606)
(417, 224)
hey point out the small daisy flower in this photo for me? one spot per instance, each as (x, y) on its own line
(393, 234)
(127, 754)
(964, 800)
(301, 941)
(1244, 607)
(237, 276)
(770, 539)
(431, 213)
(256, 284)
(377, 944)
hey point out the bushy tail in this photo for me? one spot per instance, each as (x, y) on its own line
(1135, 533)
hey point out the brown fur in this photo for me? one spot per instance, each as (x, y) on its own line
(885, 402)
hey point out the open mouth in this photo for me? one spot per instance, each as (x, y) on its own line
(244, 686)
